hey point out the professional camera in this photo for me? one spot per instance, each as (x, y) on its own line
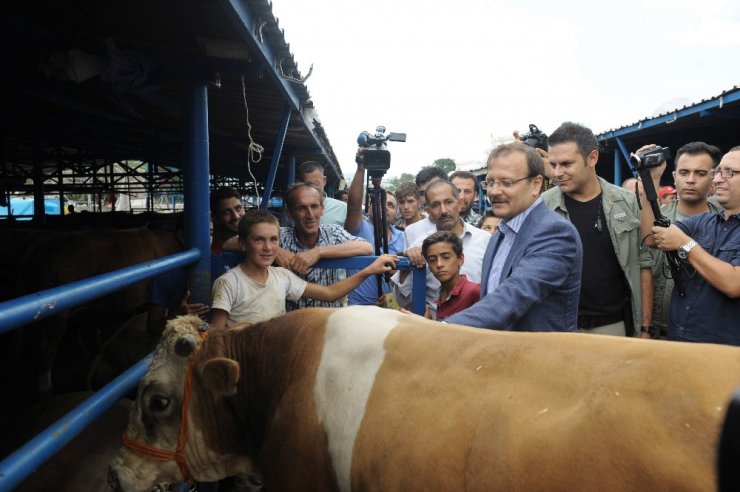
(377, 158)
(535, 138)
(650, 158)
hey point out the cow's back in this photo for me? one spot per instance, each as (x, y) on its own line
(453, 408)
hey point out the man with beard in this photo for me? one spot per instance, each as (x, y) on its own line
(708, 245)
(418, 231)
(226, 209)
(443, 205)
(467, 185)
(308, 241)
(694, 162)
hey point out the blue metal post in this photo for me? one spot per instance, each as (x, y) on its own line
(19, 465)
(195, 176)
(625, 152)
(290, 172)
(278, 149)
(33, 307)
(617, 169)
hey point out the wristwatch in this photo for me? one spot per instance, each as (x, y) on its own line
(650, 330)
(683, 251)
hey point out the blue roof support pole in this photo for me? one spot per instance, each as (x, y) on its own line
(290, 172)
(617, 169)
(625, 153)
(195, 173)
(278, 149)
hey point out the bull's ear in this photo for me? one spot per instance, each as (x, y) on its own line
(221, 375)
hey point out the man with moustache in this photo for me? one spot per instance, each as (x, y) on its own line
(308, 241)
(443, 205)
(467, 185)
(709, 245)
(694, 163)
(616, 270)
(226, 210)
(532, 267)
(421, 229)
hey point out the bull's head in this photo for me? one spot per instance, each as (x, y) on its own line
(166, 440)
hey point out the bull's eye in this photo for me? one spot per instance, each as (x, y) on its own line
(159, 403)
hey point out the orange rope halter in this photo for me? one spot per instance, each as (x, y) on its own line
(178, 455)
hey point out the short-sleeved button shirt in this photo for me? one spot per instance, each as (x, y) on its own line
(705, 314)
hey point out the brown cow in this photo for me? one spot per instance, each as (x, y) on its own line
(362, 398)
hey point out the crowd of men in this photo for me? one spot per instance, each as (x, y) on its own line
(582, 256)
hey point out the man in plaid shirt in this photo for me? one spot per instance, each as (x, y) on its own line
(303, 245)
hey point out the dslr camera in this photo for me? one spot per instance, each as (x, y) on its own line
(650, 158)
(535, 138)
(377, 158)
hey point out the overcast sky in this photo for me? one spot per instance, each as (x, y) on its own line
(452, 75)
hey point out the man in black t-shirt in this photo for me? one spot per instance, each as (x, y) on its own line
(616, 270)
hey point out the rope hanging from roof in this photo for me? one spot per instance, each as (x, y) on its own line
(255, 149)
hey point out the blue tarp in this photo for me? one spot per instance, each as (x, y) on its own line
(24, 206)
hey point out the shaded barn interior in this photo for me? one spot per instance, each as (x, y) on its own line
(97, 100)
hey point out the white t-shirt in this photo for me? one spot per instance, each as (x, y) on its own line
(247, 300)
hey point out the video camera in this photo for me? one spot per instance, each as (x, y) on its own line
(535, 138)
(377, 158)
(650, 158)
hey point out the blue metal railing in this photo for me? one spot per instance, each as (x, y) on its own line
(19, 465)
(223, 261)
(34, 307)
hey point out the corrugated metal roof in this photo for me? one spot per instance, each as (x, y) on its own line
(718, 101)
(139, 57)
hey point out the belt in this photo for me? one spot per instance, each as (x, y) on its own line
(590, 322)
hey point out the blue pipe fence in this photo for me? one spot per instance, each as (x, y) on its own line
(34, 307)
(18, 312)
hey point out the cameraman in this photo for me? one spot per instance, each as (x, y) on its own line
(359, 225)
(695, 163)
(710, 243)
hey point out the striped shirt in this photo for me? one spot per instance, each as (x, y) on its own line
(329, 235)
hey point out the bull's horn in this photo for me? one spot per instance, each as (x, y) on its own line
(185, 345)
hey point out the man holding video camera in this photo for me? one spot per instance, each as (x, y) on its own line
(709, 246)
(694, 163)
(616, 271)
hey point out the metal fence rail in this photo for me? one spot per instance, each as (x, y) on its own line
(19, 465)
(33, 307)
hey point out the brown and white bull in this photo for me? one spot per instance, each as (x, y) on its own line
(368, 399)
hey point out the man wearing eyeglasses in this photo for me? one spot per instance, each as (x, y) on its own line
(709, 245)
(532, 266)
(616, 270)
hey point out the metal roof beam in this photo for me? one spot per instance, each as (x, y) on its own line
(246, 25)
(700, 108)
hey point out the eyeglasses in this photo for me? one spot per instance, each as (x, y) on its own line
(503, 183)
(726, 173)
